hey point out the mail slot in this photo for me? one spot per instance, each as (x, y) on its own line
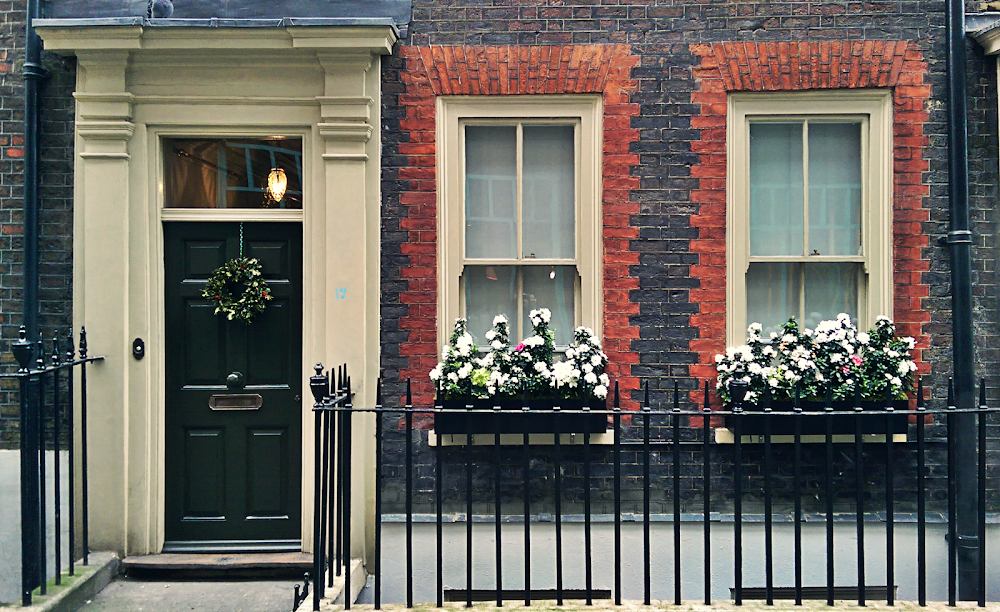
(236, 401)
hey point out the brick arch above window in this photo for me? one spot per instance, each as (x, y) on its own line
(434, 71)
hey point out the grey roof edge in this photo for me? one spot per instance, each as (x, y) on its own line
(297, 22)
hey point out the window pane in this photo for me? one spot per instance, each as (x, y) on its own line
(831, 288)
(491, 191)
(773, 291)
(547, 194)
(489, 291)
(217, 173)
(551, 287)
(776, 189)
(835, 188)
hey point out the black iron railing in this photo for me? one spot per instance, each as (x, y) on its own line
(47, 396)
(841, 432)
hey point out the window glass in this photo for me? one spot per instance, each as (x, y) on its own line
(520, 212)
(548, 213)
(489, 291)
(835, 188)
(830, 288)
(230, 173)
(776, 194)
(491, 192)
(773, 291)
(551, 287)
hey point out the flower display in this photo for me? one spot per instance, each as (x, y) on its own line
(834, 357)
(528, 369)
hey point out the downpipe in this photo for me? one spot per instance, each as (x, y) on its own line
(33, 74)
(959, 239)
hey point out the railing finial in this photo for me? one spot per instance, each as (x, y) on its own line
(83, 342)
(645, 399)
(70, 349)
(319, 384)
(22, 350)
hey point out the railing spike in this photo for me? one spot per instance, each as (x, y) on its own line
(55, 350)
(951, 393)
(617, 398)
(70, 349)
(378, 392)
(677, 397)
(645, 399)
(982, 392)
(409, 393)
(920, 393)
(705, 406)
(40, 352)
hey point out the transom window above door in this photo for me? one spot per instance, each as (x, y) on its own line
(233, 173)
(809, 227)
(519, 213)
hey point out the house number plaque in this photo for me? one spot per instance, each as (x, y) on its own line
(236, 401)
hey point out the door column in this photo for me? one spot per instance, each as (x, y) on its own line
(103, 129)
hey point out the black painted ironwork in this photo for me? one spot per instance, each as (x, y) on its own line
(833, 459)
(46, 388)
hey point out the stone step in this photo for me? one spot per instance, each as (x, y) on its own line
(205, 566)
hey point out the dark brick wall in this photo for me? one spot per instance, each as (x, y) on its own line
(666, 37)
(56, 198)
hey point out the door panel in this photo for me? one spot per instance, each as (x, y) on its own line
(204, 448)
(232, 475)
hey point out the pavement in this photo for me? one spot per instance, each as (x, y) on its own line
(130, 595)
(10, 519)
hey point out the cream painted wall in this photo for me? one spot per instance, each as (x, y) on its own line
(136, 85)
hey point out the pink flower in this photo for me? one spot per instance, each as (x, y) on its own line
(520, 347)
(856, 360)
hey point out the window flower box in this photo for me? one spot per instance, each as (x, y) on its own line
(515, 378)
(484, 418)
(835, 359)
(783, 421)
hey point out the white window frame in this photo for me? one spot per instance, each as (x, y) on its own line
(453, 113)
(873, 108)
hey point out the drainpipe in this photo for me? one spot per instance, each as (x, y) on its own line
(33, 74)
(959, 238)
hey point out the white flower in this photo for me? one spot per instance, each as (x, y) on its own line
(436, 372)
(540, 367)
(590, 378)
(601, 391)
(896, 382)
(863, 337)
(453, 377)
(910, 342)
(490, 335)
(604, 380)
(836, 358)
(788, 338)
(595, 360)
(891, 353)
(773, 382)
(497, 320)
(570, 353)
(755, 328)
(755, 368)
(465, 371)
(497, 345)
(719, 358)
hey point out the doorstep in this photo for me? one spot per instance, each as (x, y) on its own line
(203, 566)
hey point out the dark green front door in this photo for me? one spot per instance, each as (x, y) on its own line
(233, 471)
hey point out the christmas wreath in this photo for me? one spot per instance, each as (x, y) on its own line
(238, 289)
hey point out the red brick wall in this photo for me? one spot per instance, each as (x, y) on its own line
(514, 70)
(791, 66)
